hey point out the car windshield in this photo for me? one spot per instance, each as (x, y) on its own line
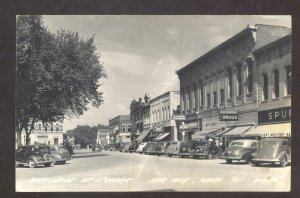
(187, 143)
(237, 144)
(62, 148)
(267, 143)
(202, 144)
(52, 149)
(44, 149)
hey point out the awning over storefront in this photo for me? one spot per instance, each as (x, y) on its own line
(162, 136)
(271, 130)
(143, 135)
(206, 132)
(237, 131)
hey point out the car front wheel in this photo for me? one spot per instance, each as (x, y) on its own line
(283, 161)
(209, 156)
(31, 163)
(47, 164)
(228, 161)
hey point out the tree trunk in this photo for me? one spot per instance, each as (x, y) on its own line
(19, 137)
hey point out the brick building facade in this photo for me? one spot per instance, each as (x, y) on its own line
(225, 80)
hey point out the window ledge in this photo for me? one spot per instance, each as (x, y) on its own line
(275, 99)
(287, 96)
(264, 101)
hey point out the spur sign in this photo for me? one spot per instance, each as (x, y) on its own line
(275, 115)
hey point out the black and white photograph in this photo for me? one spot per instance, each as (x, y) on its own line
(153, 103)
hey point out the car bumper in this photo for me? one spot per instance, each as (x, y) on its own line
(230, 157)
(265, 160)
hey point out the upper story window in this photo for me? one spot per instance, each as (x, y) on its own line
(188, 99)
(57, 127)
(222, 96)
(40, 126)
(194, 96)
(183, 100)
(201, 94)
(124, 128)
(51, 128)
(129, 128)
(230, 83)
(288, 80)
(239, 80)
(275, 83)
(215, 98)
(208, 100)
(250, 77)
(265, 87)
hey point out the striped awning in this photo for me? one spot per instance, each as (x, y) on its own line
(271, 130)
(162, 136)
(238, 131)
(143, 135)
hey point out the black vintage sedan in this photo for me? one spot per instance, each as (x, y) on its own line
(273, 150)
(205, 149)
(240, 150)
(60, 154)
(33, 155)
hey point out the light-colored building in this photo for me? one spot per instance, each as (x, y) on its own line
(157, 117)
(103, 137)
(219, 90)
(51, 134)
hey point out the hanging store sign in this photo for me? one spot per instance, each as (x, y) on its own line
(228, 116)
(178, 117)
(275, 115)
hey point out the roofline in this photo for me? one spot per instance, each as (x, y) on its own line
(258, 50)
(201, 58)
(162, 95)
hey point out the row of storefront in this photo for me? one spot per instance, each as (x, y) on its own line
(240, 89)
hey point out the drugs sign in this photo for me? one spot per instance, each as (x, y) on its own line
(228, 116)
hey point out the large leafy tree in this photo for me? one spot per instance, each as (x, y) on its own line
(57, 74)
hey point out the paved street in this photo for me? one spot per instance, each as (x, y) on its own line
(116, 171)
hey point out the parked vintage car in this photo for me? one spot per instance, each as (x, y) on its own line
(121, 147)
(33, 155)
(205, 149)
(161, 148)
(140, 147)
(149, 149)
(240, 150)
(127, 147)
(185, 148)
(112, 147)
(133, 147)
(273, 150)
(60, 154)
(173, 149)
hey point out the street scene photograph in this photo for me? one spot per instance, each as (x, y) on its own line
(156, 103)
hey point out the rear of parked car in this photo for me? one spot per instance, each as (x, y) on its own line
(185, 149)
(273, 150)
(60, 154)
(240, 150)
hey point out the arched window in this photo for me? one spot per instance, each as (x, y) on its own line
(265, 87)
(288, 80)
(276, 83)
(230, 83)
(239, 80)
(201, 94)
(188, 99)
(182, 94)
(250, 77)
(194, 96)
(163, 115)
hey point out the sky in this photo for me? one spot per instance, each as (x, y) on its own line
(141, 53)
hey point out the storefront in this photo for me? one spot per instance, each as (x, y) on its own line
(272, 123)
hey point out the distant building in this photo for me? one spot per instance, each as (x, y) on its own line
(120, 129)
(136, 117)
(219, 91)
(48, 134)
(157, 117)
(103, 136)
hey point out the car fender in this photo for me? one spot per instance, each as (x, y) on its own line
(34, 159)
(281, 154)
